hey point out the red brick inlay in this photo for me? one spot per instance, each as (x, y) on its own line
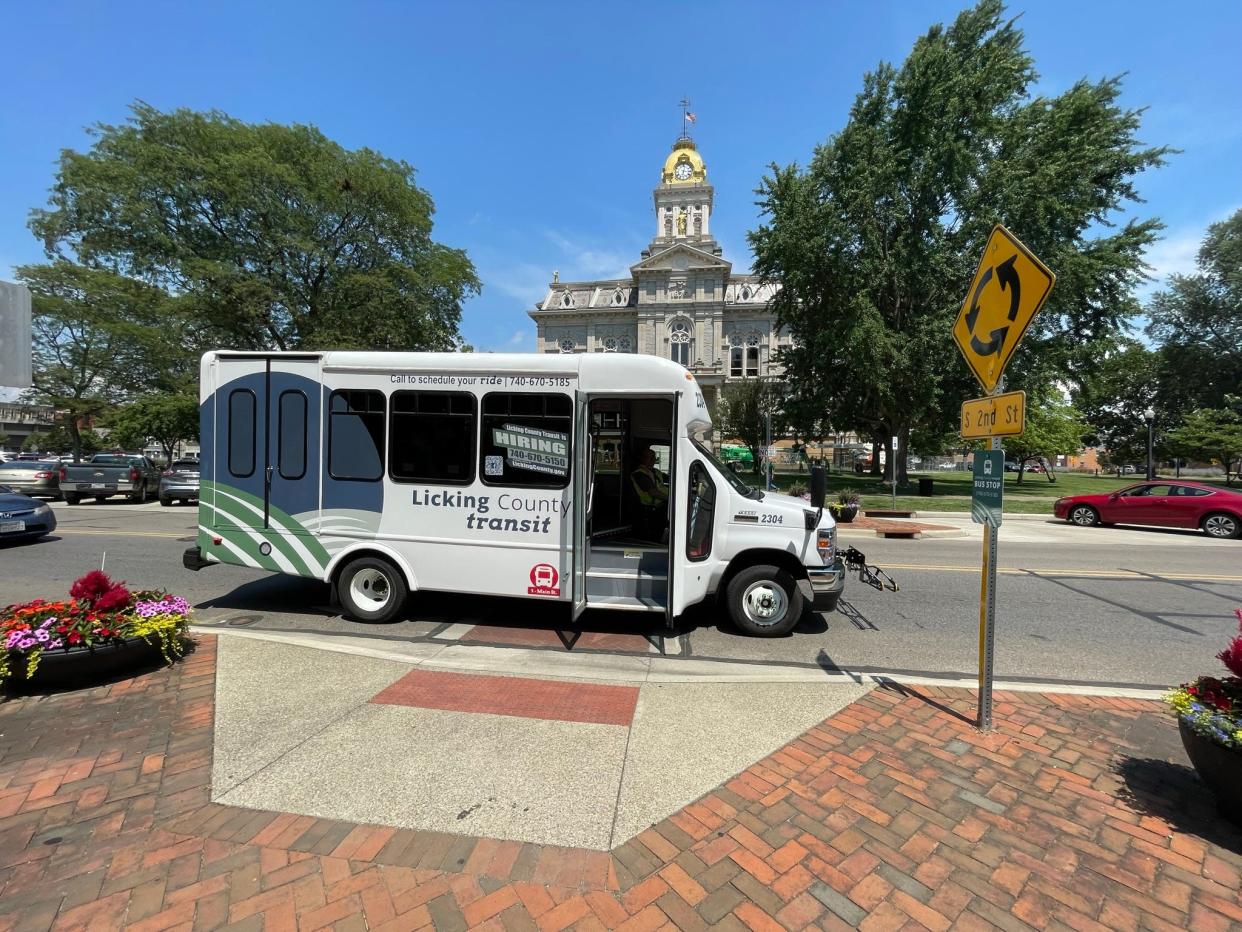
(510, 695)
(545, 637)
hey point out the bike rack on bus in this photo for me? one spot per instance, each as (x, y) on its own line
(873, 576)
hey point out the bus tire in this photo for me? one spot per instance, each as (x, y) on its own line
(764, 601)
(371, 590)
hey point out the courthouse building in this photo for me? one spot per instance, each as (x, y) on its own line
(681, 299)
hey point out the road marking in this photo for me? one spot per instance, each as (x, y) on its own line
(1094, 574)
(187, 534)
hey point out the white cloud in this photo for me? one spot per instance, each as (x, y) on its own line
(520, 337)
(1175, 252)
(524, 281)
(582, 262)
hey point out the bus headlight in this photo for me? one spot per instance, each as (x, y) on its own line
(826, 544)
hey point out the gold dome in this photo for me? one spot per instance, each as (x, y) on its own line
(684, 152)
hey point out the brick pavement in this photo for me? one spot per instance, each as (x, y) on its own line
(892, 814)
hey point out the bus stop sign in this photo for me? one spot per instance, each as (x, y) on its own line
(987, 490)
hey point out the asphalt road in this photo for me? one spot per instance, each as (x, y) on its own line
(1103, 605)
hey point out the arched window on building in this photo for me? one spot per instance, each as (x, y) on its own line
(744, 355)
(610, 344)
(681, 341)
(568, 345)
(752, 356)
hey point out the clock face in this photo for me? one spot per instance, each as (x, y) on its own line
(683, 171)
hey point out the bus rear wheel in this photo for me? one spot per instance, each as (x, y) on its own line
(764, 601)
(371, 590)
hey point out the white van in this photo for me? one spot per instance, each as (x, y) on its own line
(499, 474)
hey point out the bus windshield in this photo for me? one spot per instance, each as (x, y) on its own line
(730, 476)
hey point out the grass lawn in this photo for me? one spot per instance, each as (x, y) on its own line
(952, 489)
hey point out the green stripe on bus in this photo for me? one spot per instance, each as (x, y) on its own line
(257, 535)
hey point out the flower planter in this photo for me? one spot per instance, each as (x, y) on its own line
(84, 666)
(845, 514)
(102, 631)
(1219, 767)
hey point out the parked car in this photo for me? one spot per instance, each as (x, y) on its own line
(179, 482)
(32, 477)
(21, 517)
(1217, 511)
(108, 474)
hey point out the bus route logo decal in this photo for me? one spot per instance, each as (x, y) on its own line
(544, 579)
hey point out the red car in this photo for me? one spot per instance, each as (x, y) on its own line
(1217, 511)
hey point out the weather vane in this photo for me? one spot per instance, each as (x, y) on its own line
(686, 118)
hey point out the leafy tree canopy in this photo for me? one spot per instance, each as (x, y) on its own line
(1214, 434)
(167, 419)
(98, 337)
(1053, 426)
(743, 409)
(1198, 319)
(276, 236)
(875, 241)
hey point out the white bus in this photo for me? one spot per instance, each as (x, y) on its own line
(499, 474)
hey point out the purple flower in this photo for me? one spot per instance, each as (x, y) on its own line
(56, 643)
(26, 643)
(42, 635)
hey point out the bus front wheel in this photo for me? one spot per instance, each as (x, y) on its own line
(371, 590)
(764, 601)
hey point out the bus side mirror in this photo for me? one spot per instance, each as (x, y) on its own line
(819, 486)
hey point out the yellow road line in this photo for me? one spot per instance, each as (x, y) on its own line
(97, 532)
(1096, 574)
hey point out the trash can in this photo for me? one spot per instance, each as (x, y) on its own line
(925, 485)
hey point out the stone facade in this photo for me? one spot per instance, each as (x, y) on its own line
(681, 300)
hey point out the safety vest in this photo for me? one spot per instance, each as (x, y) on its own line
(646, 496)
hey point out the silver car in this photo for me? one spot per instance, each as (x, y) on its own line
(35, 478)
(179, 482)
(21, 517)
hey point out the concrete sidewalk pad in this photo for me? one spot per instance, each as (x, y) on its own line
(346, 742)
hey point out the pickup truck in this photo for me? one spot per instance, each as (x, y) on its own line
(108, 474)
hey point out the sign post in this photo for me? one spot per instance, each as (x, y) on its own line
(893, 472)
(1009, 288)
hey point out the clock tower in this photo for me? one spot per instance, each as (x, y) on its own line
(683, 201)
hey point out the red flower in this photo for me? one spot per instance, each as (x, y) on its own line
(115, 598)
(75, 638)
(1231, 656)
(91, 586)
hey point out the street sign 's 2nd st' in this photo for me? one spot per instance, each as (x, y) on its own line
(994, 416)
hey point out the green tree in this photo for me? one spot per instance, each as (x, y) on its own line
(875, 242)
(1214, 434)
(1124, 383)
(98, 337)
(1198, 320)
(743, 409)
(276, 236)
(167, 419)
(1053, 426)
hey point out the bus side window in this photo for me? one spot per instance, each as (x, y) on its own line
(241, 432)
(291, 435)
(431, 437)
(702, 510)
(526, 439)
(356, 435)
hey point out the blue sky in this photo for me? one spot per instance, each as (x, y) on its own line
(540, 128)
